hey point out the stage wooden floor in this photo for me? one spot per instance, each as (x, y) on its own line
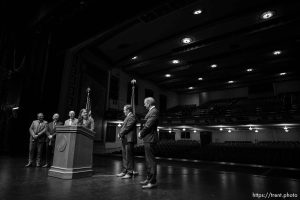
(177, 181)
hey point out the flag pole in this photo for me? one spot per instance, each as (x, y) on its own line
(133, 82)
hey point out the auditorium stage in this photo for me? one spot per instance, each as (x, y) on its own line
(177, 181)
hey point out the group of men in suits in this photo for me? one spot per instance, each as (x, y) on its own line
(44, 133)
(150, 138)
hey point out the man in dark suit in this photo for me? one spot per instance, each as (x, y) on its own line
(50, 140)
(150, 139)
(128, 136)
(37, 132)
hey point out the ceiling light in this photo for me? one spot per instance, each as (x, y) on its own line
(195, 131)
(119, 125)
(230, 82)
(157, 129)
(186, 40)
(15, 108)
(256, 131)
(267, 15)
(213, 65)
(190, 88)
(221, 129)
(277, 52)
(134, 58)
(229, 131)
(175, 61)
(249, 70)
(200, 78)
(197, 12)
(183, 129)
(250, 128)
(282, 73)
(170, 131)
(168, 75)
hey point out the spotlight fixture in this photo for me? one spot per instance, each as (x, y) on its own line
(221, 129)
(286, 129)
(230, 82)
(119, 125)
(229, 131)
(175, 61)
(282, 73)
(183, 129)
(249, 70)
(15, 108)
(168, 75)
(213, 65)
(277, 52)
(186, 40)
(134, 58)
(200, 79)
(190, 88)
(256, 131)
(250, 128)
(170, 131)
(157, 129)
(267, 15)
(197, 12)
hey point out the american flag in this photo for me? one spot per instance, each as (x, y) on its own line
(133, 82)
(88, 102)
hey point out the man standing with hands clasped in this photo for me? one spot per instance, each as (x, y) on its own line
(150, 139)
(128, 136)
(37, 132)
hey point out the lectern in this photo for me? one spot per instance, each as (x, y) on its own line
(73, 154)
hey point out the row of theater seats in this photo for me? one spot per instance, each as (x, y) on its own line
(285, 154)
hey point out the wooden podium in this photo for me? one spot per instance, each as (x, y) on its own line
(73, 154)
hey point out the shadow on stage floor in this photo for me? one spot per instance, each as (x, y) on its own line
(177, 181)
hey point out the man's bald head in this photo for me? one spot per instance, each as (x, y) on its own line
(148, 102)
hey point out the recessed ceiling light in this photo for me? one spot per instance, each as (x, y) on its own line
(197, 12)
(229, 131)
(195, 131)
(249, 70)
(134, 58)
(175, 61)
(277, 52)
(250, 128)
(183, 129)
(221, 129)
(186, 40)
(200, 78)
(230, 81)
(213, 65)
(170, 131)
(168, 75)
(190, 88)
(282, 73)
(256, 131)
(267, 14)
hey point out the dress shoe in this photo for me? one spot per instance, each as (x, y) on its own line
(127, 176)
(121, 174)
(28, 164)
(46, 165)
(38, 165)
(149, 186)
(145, 182)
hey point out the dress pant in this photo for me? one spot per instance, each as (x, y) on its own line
(49, 152)
(127, 157)
(35, 145)
(150, 162)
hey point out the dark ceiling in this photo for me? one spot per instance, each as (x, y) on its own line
(231, 34)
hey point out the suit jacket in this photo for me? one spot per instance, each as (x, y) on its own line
(74, 122)
(51, 130)
(149, 130)
(128, 129)
(38, 128)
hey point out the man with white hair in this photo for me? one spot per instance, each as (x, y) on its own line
(72, 121)
(150, 139)
(50, 140)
